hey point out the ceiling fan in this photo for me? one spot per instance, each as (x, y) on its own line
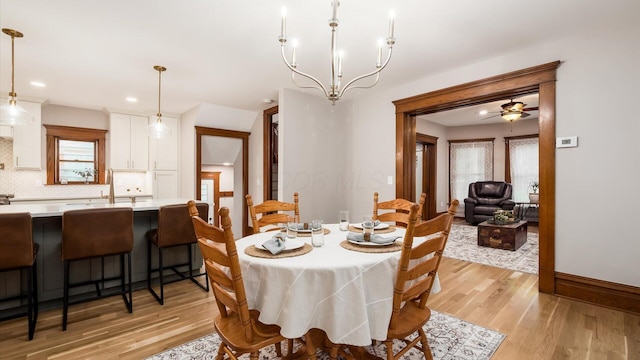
(513, 110)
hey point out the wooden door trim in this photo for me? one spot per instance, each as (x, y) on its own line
(244, 136)
(429, 210)
(540, 79)
(267, 120)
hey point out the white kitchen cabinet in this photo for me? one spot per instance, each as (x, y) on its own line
(129, 142)
(163, 153)
(27, 140)
(6, 132)
(165, 185)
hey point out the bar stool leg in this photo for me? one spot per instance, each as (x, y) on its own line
(65, 302)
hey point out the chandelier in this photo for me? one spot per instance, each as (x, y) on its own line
(335, 90)
(11, 113)
(158, 129)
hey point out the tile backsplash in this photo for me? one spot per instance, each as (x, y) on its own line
(28, 184)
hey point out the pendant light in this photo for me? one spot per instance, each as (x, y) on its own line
(12, 114)
(157, 129)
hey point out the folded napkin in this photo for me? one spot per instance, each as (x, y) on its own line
(378, 239)
(276, 244)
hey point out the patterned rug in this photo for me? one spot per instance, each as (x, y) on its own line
(463, 245)
(450, 339)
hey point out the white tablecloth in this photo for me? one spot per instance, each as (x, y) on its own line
(348, 294)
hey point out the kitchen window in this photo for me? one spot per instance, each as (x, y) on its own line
(75, 155)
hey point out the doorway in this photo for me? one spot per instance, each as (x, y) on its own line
(541, 79)
(227, 152)
(426, 162)
(270, 153)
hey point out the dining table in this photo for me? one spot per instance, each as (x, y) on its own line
(343, 288)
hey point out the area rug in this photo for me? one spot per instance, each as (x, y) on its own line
(450, 339)
(463, 245)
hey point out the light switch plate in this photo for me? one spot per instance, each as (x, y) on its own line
(566, 141)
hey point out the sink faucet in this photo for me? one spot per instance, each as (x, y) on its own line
(111, 196)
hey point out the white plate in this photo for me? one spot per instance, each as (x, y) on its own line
(290, 244)
(377, 227)
(367, 243)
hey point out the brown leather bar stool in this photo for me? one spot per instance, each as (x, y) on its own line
(174, 229)
(97, 233)
(18, 252)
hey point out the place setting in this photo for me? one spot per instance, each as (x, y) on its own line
(367, 239)
(280, 245)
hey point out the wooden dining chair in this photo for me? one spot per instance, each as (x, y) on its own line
(271, 212)
(238, 327)
(400, 210)
(414, 280)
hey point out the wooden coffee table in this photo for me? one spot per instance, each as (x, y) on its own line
(507, 237)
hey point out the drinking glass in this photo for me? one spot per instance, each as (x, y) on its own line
(344, 220)
(367, 227)
(292, 227)
(317, 233)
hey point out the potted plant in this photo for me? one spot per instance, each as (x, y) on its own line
(534, 197)
(85, 174)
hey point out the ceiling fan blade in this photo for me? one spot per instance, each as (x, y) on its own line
(524, 115)
(487, 118)
(534, 108)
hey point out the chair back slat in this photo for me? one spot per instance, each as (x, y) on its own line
(427, 247)
(270, 212)
(228, 289)
(415, 278)
(401, 209)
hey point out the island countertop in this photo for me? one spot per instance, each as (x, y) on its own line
(49, 210)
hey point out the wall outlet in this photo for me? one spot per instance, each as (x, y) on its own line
(390, 180)
(441, 203)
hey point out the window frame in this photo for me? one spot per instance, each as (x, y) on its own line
(56, 133)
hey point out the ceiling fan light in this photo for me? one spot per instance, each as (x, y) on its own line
(511, 115)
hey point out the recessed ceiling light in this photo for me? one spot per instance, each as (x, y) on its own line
(132, 99)
(38, 84)
(267, 101)
(483, 112)
(227, 164)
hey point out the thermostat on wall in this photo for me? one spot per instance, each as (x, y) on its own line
(567, 141)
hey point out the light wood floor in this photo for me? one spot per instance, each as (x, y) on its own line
(538, 326)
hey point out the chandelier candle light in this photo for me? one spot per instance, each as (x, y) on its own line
(158, 129)
(334, 92)
(11, 113)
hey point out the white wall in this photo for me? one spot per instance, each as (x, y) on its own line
(312, 142)
(596, 183)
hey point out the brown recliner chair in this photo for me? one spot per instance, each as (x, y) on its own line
(485, 197)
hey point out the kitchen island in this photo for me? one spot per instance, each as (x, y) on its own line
(47, 233)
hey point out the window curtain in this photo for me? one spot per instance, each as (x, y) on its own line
(468, 162)
(523, 160)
